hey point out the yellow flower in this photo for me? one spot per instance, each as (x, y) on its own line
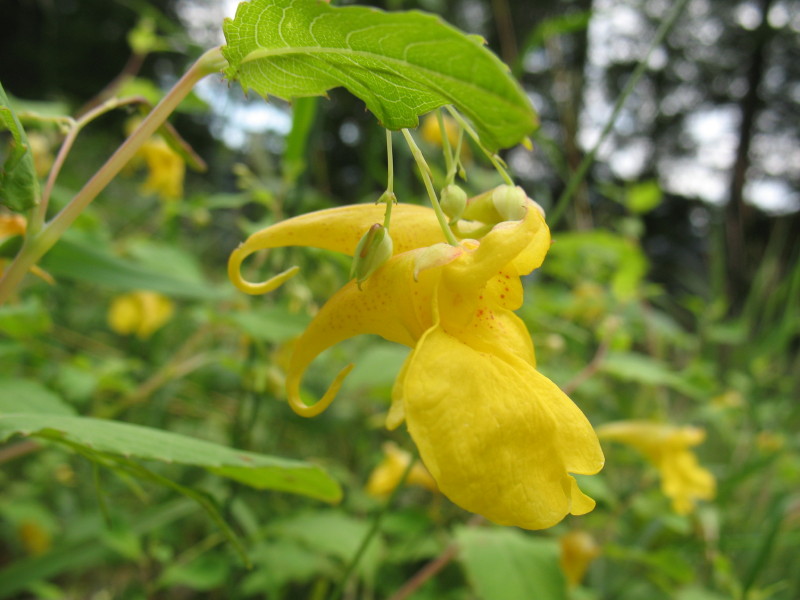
(166, 169)
(667, 447)
(386, 476)
(35, 539)
(498, 437)
(12, 225)
(578, 550)
(140, 313)
(432, 133)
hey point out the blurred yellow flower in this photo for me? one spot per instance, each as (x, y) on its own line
(432, 133)
(166, 169)
(498, 437)
(667, 447)
(42, 156)
(386, 476)
(140, 313)
(578, 550)
(12, 225)
(35, 539)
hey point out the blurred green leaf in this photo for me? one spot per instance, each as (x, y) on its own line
(75, 260)
(19, 185)
(698, 593)
(206, 572)
(643, 196)
(333, 533)
(284, 561)
(569, 23)
(304, 111)
(600, 256)
(25, 320)
(133, 441)
(506, 564)
(402, 65)
(377, 366)
(30, 396)
(80, 552)
(121, 538)
(641, 368)
(269, 324)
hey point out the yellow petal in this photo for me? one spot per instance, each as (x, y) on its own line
(578, 550)
(390, 304)
(166, 169)
(156, 310)
(499, 438)
(685, 481)
(140, 313)
(124, 315)
(386, 476)
(11, 225)
(338, 229)
(667, 446)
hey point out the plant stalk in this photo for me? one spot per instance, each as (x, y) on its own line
(36, 245)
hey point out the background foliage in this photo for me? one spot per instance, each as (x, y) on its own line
(672, 293)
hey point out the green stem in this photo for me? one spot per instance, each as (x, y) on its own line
(389, 195)
(493, 158)
(37, 222)
(448, 153)
(424, 171)
(577, 177)
(35, 246)
(373, 530)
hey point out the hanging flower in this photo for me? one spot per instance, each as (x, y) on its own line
(166, 169)
(432, 133)
(139, 313)
(498, 437)
(667, 447)
(578, 550)
(387, 475)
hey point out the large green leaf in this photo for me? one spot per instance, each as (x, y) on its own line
(19, 187)
(134, 441)
(505, 564)
(402, 65)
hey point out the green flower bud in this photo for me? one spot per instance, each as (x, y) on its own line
(374, 249)
(509, 201)
(453, 201)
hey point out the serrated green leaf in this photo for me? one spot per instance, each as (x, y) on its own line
(505, 564)
(402, 65)
(19, 186)
(133, 441)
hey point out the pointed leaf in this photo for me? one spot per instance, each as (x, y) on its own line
(133, 441)
(402, 65)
